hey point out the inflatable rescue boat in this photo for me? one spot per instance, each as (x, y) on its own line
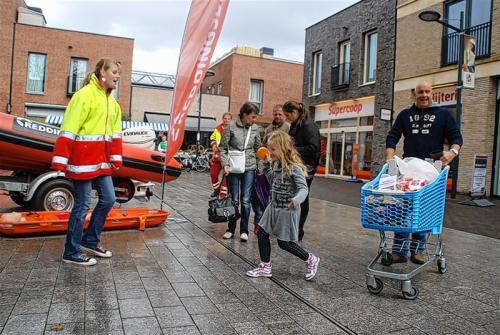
(17, 224)
(26, 146)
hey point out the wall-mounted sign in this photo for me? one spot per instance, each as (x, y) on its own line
(345, 109)
(444, 96)
(385, 114)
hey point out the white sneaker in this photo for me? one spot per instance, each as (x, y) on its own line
(244, 237)
(227, 235)
(264, 270)
(99, 252)
(311, 266)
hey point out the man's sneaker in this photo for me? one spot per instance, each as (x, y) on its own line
(244, 237)
(264, 270)
(80, 260)
(418, 258)
(311, 266)
(99, 252)
(214, 194)
(398, 258)
(227, 235)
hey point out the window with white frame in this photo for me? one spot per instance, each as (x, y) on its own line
(37, 64)
(256, 93)
(344, 61)
(370, 64)
(78, 71)
(218, 88)
(316, 70)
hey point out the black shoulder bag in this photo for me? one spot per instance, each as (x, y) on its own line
(221, 210)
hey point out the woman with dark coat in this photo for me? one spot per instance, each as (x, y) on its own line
(306, 135)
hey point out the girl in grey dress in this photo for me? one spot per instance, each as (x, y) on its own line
(282, 215)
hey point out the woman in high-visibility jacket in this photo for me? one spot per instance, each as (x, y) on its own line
(87, 150)
(219, 184)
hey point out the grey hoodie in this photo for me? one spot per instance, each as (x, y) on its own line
(233, 138)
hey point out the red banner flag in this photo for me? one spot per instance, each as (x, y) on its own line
(203, 28)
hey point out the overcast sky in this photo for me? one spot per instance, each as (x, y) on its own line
(157, 25)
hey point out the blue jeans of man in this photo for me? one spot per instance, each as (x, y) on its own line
(240, 189)
(75, 237)
(402, 244)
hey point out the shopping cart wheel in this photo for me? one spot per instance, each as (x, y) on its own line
(441, 263)
(411, 295)
(378, 288)
(386, 259)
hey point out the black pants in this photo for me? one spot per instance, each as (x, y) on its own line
(265, 247)
(304, 207)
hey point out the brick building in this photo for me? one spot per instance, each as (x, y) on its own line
(40, 67)
(249, 74)
(151, 101)
(348, 72)
(432, 55)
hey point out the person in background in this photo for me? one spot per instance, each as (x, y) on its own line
(279, 122)
(88, 149)
(281, 217)
(241, 184)
(162, 146)
(425, 128)
(219, 183)
(306, 136)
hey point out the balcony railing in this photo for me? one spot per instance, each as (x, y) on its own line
(340, 76)
(451, 43)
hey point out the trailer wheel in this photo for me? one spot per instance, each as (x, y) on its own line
(126, 190)
(18, 199)
(54, 195)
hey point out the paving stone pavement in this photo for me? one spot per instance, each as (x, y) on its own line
(182, 278)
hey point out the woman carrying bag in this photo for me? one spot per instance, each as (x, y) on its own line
(239, 143)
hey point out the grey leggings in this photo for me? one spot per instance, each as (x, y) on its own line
(291, 247)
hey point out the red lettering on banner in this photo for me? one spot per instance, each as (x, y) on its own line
(353, 108)
(203, 28)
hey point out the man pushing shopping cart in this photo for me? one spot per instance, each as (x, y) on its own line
(425, 129)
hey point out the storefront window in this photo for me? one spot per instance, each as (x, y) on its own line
(366, 121)
(323, 124)
(365, 150)
(335, 154)
(323, 142)
(344, 123)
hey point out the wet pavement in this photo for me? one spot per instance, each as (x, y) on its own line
(182, 278)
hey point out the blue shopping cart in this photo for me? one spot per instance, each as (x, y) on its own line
(421, 211)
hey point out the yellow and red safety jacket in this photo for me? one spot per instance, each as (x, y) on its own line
(90, 143)
(216, 136)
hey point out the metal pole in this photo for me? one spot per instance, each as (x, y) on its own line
(455, 163)
(198, 134)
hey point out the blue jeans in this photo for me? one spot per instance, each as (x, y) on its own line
(241, 183)
(75, 236)
(402, 244)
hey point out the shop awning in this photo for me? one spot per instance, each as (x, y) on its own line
(207, 124)
(156, 126)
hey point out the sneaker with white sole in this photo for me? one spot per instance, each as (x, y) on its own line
(99, 252)
(311, 266)
(263, 270)
(80, 260)
(244, 237)
(227, 235)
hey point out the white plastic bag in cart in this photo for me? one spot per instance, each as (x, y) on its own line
(416, 168)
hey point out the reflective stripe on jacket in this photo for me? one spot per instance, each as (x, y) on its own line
(90, 140)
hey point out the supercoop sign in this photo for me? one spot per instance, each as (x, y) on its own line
(345, 109)
(35, 127)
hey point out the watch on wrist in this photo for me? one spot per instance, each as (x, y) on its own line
(455, 151)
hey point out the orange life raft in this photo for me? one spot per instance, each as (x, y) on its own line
(44, 223)
(27, 146)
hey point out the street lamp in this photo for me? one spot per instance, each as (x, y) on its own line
(209, 73)
(433, 16)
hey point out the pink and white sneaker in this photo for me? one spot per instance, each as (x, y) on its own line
(263, 270)
(311, 266)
